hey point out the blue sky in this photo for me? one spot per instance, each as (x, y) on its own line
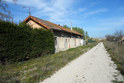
(98, 17)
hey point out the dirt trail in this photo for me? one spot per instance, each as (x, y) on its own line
(95, 66)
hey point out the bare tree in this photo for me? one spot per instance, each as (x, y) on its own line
(118, 35)
(110, 37)
(5, 14)
(15, 1)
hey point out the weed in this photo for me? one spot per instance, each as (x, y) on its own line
(37, 69)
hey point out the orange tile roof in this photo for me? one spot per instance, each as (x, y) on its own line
(50, 25)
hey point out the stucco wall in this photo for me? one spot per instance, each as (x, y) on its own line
(33, 24)
(61, 43)
(64, 43)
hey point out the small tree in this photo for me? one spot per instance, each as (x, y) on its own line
(118, 35)
(110, 38)
(5, 14)
(66, 26)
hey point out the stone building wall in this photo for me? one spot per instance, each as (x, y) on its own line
(64, 43)
(33, 24)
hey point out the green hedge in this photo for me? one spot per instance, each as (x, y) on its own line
(20, 42)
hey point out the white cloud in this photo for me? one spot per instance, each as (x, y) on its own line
(94, 12)
(81, 9)
(38, 4)
(54, 10)
(63, 12)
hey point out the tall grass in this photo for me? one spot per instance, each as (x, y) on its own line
(117, 53)
(38, 69)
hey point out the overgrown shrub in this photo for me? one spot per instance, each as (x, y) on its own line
(20, 42)
(35, 70)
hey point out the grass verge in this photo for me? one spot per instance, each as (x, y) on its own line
(117, 54)
(38, 69)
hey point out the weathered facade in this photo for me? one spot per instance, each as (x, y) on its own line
(64, 38)
(121, 41)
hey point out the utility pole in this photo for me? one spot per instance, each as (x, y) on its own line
(29, 11)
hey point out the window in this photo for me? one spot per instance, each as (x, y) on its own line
(29, 23)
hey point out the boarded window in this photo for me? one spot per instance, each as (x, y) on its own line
(55, 40)
(65, 43)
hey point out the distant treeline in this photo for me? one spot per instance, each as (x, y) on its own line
(116, 37)
(78, 29)
(20, 42)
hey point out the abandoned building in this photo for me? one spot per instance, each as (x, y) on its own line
(121, 41)
(64, 38)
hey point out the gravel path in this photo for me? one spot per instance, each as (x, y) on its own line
(95, 66)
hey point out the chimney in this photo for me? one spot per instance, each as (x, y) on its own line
(71, 26)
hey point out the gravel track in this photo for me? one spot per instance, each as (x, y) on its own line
(94, 66)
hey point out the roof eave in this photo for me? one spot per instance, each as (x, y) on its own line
(36, 21)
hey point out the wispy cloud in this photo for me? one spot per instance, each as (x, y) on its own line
(101, 27)
(38, 4)
(81, 9)
(121, 8)
(95, 12)
(57, 10)
(114, 22)
(53, 9)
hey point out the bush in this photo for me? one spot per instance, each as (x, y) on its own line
(20, 42)
(35, 70)
(42, 42)
(117, 54)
